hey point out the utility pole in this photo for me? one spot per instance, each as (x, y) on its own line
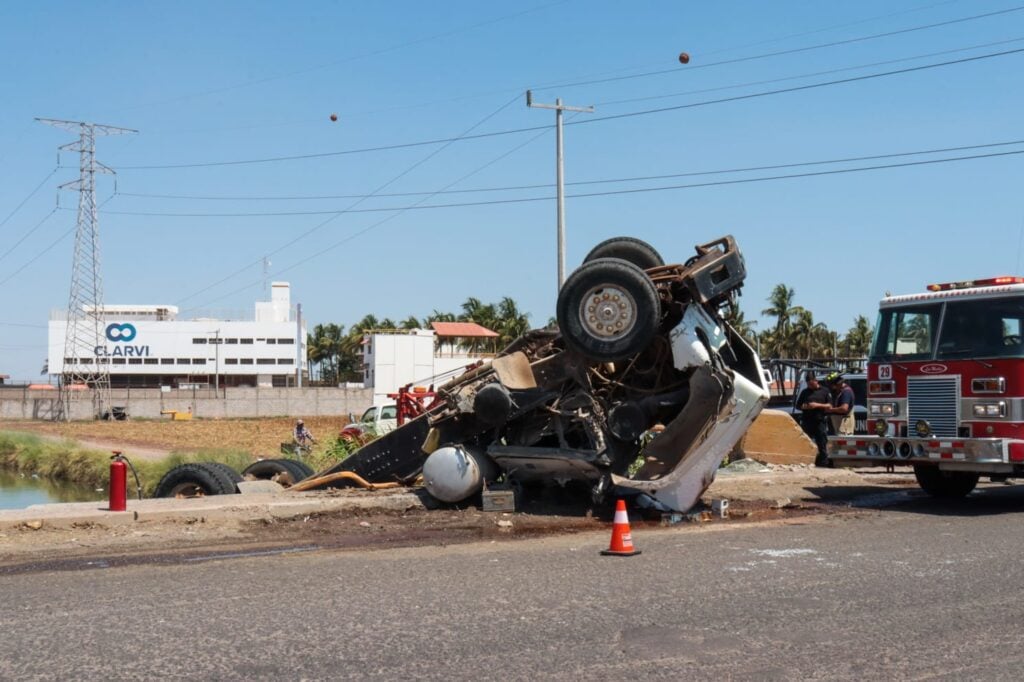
(300, 342)
(559, 171)
(216, 364)
(85, 335)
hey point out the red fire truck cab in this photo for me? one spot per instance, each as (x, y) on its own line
(946, 386)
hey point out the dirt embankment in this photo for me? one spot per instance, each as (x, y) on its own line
(150, 439)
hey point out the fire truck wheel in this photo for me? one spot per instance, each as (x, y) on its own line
(287, 472)
(636, 251)
(944, 484)
(608, 309)
(197, 480)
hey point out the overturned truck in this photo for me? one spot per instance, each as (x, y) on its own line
(641, 347)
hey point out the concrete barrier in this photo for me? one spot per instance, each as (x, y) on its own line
(313, 401)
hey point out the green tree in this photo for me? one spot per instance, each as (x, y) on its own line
(782, 309)
(858, 339)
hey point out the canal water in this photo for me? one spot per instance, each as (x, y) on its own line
(18, 491)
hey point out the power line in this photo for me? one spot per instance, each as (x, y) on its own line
(336, 214)
(799, 88)
(808, 75)
(42, 253)
(632, 191)
(28, 234)
(509, 188)
(795, 50)
(460, 138)
(30, 195)
(638, 178)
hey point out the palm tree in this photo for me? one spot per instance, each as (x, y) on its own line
(410, 323)
(806, 334)
(734, 316)
(511, 322)
(858, 338)
(783, 310)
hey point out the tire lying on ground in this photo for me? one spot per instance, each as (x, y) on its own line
(945, 484)
(635, 251)
(287, 472)
(198, 480)
(608, 309)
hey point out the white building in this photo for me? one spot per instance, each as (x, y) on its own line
(422, 357)
(150, 346)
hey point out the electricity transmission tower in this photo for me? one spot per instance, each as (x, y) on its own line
(85, 333)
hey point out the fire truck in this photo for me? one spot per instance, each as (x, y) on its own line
(946, 387)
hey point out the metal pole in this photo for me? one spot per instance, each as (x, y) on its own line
(560, 181)
(216, 364)
(298, 342)
(559, 172)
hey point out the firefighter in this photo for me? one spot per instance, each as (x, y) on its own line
(813, 402)
(841, 410)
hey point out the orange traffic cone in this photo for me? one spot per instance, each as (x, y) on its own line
(622, 538)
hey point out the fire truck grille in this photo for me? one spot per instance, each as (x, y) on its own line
(935, 400)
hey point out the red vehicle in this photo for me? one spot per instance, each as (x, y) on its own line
(946, 386)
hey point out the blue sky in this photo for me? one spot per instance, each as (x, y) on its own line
(233, 81)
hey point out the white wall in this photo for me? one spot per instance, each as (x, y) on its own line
(395, 360)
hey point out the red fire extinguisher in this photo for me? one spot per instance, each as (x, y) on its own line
(118, 483)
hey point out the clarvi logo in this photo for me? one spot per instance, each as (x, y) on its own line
(933, 368)
(120, 332)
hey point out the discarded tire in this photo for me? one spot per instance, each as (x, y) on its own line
(945, 484)
(198, 480)
(608, 309)
(635, 251)
(287, 472)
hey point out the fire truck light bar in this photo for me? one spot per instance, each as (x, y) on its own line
(972, 283)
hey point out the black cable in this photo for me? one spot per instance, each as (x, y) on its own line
(737, 60)
(30, 195)
(588, 182)
(322, 251)
(498, 133)
(336, 214)
(510, 188)
(37, 256)
(808, 75)
(28, 234)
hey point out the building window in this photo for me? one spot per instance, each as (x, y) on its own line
(199, 339)
(103, 361)
(199, 361)
(216, 340)
(235, 341)
(264, 361)
(245, 361)
(271, 340)
(166, 361)
(134, 361)
(119, 361)
(184, 361)
(151, 361)
(285, 361)
(70, 361)
(249, 341)
(231, 361)
(284, 340)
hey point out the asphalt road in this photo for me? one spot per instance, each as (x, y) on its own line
(906, 592)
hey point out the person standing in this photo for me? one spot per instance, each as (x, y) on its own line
(812, 402)
(841, 410)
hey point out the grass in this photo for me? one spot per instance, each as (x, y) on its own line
(67, 462)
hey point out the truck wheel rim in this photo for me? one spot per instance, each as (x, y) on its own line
(607, 312)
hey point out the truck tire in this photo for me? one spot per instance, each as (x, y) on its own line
(195, 480)
(635, 251)
(229, 478)
(287, 472)
(945, 484)
(608, 309)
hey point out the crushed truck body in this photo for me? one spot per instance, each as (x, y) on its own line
(641, 347)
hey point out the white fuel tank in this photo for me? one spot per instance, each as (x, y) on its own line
(453, 473)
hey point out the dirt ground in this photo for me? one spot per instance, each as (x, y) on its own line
(779, 494)
(155, 438)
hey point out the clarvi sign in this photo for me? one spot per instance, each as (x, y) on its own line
(122, 333)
